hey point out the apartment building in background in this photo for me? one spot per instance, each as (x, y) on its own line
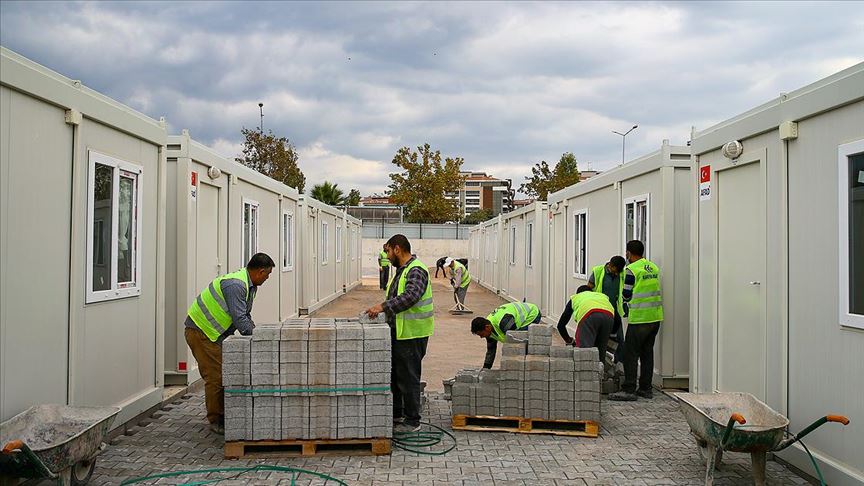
(482, 191)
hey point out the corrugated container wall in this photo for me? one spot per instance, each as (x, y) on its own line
(647, 199)
(82, 200)
(777, 302)
(220, 213)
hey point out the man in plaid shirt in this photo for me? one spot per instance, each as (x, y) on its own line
(409, 313)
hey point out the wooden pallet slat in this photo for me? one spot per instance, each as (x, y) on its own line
(525, 425)
(307, 447)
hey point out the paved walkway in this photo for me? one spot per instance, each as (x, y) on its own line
(645, 442)
(641, 443)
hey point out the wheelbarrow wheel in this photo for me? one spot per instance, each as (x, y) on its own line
(82, 471)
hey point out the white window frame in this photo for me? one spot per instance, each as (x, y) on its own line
(529, 245)
(580, 255)
(325, 242)
(338, 244)
(288, 241)
(495, 246)
(244, 255)
(843, 153)
(646, 198)
(513, 230)
(116, 291)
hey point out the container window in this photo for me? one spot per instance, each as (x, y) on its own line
(287, 242)
(325, 247)
(113, 218)
(580, 244)
(529, 244)
(513, 245)
(338, 243)
(851, 159)
(250, 229)
(636, 221)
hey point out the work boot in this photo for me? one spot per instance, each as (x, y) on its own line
(398, 420)
(649, 393)
(622, 396)
(217, 428)
(405, 428)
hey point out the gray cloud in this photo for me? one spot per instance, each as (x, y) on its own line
(503, 85)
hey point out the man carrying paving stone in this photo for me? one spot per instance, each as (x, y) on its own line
(410, 315)
(594, 317)
(220, 309)
(494, 327)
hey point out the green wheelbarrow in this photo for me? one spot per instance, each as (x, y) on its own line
(55, 442)
(713, 417)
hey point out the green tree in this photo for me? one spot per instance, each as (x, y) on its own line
(327, 193)
(544, 180)
(275, 157)
(353, 198)
(421, 186)
(478, 217)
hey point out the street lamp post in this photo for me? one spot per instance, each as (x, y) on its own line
(261, 110)
(624, 139)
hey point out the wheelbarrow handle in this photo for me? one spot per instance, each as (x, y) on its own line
(815, 425)
(735, 417)
(13, 446)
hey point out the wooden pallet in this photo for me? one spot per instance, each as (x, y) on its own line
(522, 425)
(307, 447)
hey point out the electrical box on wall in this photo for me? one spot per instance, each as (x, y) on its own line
(788, 130)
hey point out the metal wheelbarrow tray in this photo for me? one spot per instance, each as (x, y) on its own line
(717, 421)
(54, 442)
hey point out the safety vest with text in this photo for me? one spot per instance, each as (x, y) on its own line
(646, 305)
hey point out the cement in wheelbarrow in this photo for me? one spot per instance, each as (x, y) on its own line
(60, 436)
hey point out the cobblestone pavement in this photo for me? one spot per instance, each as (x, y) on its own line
(644, 442)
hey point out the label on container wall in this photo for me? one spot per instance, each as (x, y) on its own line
(705, 183)
(193, 189)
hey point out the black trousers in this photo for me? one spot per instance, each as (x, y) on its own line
(618, 336)
(383, 276)
(407, 357)
(593, 332)
(639, 352)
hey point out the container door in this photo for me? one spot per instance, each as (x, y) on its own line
(741, 255)
(557, 262)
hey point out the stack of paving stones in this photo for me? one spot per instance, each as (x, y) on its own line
(309, 379)
(536, 380)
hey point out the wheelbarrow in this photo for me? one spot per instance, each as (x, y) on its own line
(55, 442)
(713, 417)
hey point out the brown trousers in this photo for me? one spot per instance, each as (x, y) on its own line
(209, 357)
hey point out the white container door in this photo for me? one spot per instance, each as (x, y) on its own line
(741, 255)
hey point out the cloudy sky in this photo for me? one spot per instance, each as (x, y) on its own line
(503, 85)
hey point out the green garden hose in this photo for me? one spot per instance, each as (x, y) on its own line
(417, 441)
(240, 470)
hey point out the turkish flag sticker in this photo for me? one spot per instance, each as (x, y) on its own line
(705, 174)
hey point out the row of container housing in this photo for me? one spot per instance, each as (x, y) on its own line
(109, 228)
(585, 225)
(758, 229)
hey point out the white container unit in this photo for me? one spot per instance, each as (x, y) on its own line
(354, 250)
(82, 202)
(490, 265)
(777, 267)
(646, 199)
(524, 235)
(220, 213)
(325, 254)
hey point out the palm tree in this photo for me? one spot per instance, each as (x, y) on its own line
(327, 193)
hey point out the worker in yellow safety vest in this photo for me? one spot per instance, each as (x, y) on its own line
(410, 314)
(643, 302)
(223, 307)
(460, 279)
(593, 315)
(513, 316)
(383, 268)
(607, 280)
